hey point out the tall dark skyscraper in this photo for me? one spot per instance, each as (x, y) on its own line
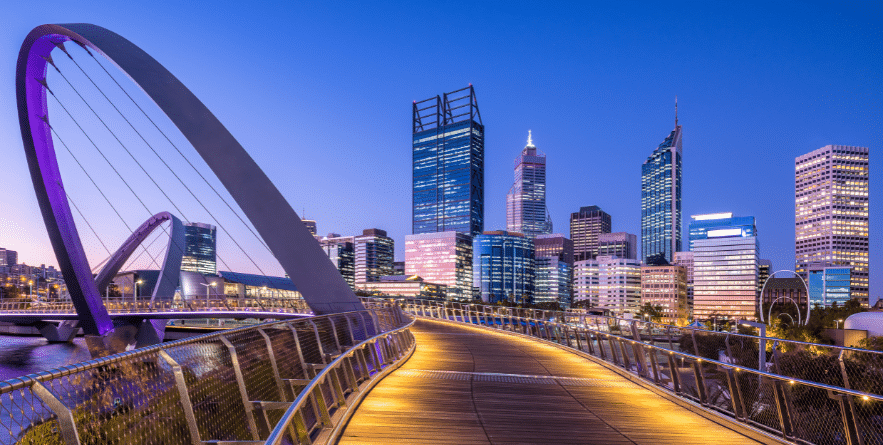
(448, 171)
(526, 202)
(585, 226)
(200, 249)
(661, 199)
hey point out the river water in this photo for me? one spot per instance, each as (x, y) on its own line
(26, 355)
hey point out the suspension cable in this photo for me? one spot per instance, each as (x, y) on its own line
(155, 153)
(187, 160)
(83, 168)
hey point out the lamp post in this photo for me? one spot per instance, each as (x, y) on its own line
(30, 288)
(838, 323)
(135, 295)
(761, 354)
(208, 288)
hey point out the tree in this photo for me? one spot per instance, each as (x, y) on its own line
(655, 312)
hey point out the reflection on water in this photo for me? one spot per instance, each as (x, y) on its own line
(26, 355)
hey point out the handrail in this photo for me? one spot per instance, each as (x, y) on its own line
(791, 407)
(299, 403)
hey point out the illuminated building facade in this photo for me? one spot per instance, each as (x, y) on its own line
(503, 267)
(585, 227)
(448, 170)
(661, 199)
(666, 286)
(619, 244)
(443, 258)
(685, 260)
(374, 255)
(828, 285)
(405, 286)
(341, 251)
(609, 283)
(725, 264)
(553, 281)
(200, 248)
(526, 201)
(831, 213)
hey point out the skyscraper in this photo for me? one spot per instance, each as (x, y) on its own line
(310, 225)
(609, 283)
(374, 255)
(585, 226)
(526, 202)
(503, 267)
(341, 251)
(661, 199)
(442, 258)
(831, 213)
(200, 248)
(619, 244)
(665, 286)
(448, 164)
(553, 280)
(725, 270)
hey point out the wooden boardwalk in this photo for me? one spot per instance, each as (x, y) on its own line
(466, 385)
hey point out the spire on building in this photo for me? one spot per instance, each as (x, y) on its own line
(676, 111)
(529, 140)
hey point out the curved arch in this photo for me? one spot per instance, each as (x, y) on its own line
(280, 227)
(170, 272)
(763, 288)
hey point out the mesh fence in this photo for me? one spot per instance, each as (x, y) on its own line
(236, 385)
(806, 393)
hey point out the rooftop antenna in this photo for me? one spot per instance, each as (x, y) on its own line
(529, 139)
(676, 111)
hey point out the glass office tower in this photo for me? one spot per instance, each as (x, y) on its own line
(831, 213)
(448, 170)
(829, 285)
(553, 281)
(725, 263)
(661, 200)
(585, 228)
(503, 267)
(200, 248)
(374, 253)
(341, 251)
(701, 224)
(526, 201)
(442, 258)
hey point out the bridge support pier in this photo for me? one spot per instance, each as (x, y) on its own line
(126, 335)
(62, 332)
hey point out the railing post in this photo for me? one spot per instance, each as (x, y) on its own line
(736, 395)
(783, 406)
(300, 354)
(318, 341)
(654, 365)
(273, 364)
(613, 349)
(847, 415)
(674, 374)
(240, 380)
(66, 424)
(625, 355)
(700, 382)
(184, 396)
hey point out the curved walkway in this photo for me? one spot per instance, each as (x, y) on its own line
(467, 385)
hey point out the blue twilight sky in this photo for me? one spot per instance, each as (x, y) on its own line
(320, 94)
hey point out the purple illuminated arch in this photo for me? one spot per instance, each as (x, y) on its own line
(280, 227)
(170, 272)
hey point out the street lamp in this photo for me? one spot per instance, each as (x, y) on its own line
(135, 295)
(761, 354)
(838, 322)
(30, 288)
(208, 288)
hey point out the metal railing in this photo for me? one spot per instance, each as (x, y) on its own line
(229, 386)
(798, 410)
(141, 305)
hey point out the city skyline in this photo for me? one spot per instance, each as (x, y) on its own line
(582, 171)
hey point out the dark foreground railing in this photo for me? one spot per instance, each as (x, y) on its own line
(228, 387)
(797, 410)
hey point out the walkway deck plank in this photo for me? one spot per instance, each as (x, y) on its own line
(466, 385)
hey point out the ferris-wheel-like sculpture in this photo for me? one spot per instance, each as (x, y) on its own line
(278, 225)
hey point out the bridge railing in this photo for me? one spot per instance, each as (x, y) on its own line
(799, 410)
(233, 385)
(846, 367)
(142, 305)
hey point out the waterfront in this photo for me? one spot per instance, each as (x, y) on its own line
(21, 356)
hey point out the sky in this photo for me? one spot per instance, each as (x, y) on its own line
(320, 95)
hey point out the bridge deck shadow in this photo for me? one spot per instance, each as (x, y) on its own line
(466, 385)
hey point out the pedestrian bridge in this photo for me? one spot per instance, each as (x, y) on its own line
(435, 373)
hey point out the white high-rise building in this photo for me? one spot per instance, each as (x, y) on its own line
(725, 273)
(831, 213)
(685, 259)
(526, 202)
(609, 283)
(442, 258)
